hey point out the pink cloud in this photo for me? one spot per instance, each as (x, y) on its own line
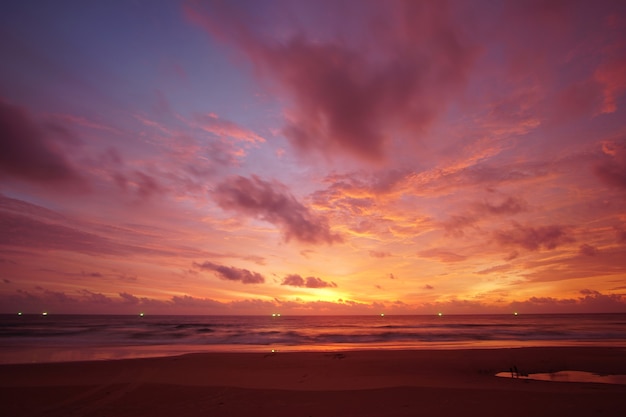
(230, 273)
(347, 97)
(212, 123)
(140, 183)
(84, 122)
(272, 202)
(31, 150)
(296, 280)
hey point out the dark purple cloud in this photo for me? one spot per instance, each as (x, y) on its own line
(129, 298)
(230, 273)
(534, 238)
(296, 280)
(272, 202)
(590, 302)
(28, 150)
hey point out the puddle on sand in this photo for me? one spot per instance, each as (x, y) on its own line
(569, 376)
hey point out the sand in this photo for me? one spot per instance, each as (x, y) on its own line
(356, 383)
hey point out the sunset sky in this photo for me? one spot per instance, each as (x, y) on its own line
(312, 157)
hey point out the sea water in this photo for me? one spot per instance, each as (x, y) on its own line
(50, 338)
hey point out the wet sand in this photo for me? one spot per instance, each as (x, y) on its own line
(356, 383)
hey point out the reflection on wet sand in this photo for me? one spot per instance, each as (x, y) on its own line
(568, 376)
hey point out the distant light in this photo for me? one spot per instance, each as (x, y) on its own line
(140, 314)
(515, 314)
(382, 314)
(440, 314)
(273, 350)
(19, 314)
(45, 313)
(275, 314)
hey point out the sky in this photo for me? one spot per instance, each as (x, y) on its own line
(328, 157)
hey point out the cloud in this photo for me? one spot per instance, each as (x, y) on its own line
(129, 298)
(32, 151)
(612, 169)
(588, 250)
(611, 74)
(230, 273)
(442, 255)
(272, 202)
(379, 254)
(347, 96)
(144, 185)
(296, 280)
(534, 238)
(590, 302)
(212, 123)
(32, 227)
(512, 205)
(22, 231)
(456, 225)
(497, 268)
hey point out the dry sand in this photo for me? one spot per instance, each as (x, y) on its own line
(358, 383)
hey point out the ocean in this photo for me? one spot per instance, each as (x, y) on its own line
(55, 338)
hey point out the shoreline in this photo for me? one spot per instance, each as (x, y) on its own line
(20, 354)
(361, 382)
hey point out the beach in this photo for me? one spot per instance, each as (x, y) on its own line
(347, 383)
